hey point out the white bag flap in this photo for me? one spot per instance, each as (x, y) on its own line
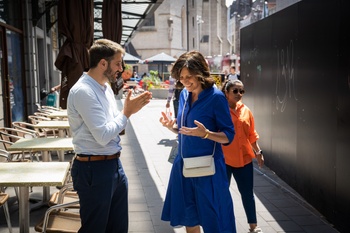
(201, 161)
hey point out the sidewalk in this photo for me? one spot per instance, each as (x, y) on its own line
(279, 207)
(146, 146)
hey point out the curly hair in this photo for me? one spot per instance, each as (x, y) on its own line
(197, 66)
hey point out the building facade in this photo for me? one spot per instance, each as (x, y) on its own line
(184, 25)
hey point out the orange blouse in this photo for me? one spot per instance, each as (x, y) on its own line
(240, 152)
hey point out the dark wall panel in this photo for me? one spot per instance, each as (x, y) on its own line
(342, 171)
(295, 67)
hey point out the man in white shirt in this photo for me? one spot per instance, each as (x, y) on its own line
(95, 122)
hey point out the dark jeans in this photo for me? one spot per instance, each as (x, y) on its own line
(245, 180)
(176, 107)
(103, 192)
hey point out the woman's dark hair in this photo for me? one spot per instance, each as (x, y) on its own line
(230, 83)
(196, 64)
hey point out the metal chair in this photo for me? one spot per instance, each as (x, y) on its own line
(5, 156)
(8, 136)
(65, 195)
(60, 218)
(47, 132)
(27, 127)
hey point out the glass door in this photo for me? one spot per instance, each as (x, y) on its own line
(12, 90)
(15, 76)
(3, 84)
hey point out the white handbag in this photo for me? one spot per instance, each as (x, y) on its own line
(199, 166)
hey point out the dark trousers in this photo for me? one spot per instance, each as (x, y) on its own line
(176, 107)
(102, 187)
(245, 181)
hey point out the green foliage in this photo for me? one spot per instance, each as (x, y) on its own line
(152, 81)
(128, 67)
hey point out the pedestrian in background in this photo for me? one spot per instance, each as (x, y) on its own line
(243, 149)
(204, 123)
(174, 94)
(233, 75)
(97, 172)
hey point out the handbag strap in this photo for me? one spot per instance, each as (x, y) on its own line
(182, 120)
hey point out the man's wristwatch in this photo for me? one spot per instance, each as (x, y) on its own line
(260, 152)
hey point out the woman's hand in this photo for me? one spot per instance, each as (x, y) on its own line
(260, 159)
(199, 131)
(166, 122)
(202, 132)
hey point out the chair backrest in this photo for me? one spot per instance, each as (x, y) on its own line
(5, 156)
(10, 135)
(8, 132)
(6, 144)
(42, 114)
(35, 119)
(25, 126)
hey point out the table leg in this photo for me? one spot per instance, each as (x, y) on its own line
(46, 190)
(61, 152)
(23, 209)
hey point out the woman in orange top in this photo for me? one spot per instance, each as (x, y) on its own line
(244, 147)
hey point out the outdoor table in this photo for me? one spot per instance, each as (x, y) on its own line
(58, 114)
(25, 175)
(60, 125)
(44, 145)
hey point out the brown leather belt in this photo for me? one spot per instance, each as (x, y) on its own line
(92, 158)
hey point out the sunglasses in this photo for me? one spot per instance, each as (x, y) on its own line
(235, 91)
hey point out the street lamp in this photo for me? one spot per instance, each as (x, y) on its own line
(199, 22)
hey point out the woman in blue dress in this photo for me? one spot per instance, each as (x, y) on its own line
(204, 122)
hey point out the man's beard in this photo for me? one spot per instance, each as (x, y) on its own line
(112, 78)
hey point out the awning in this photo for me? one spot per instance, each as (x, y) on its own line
(133, 16)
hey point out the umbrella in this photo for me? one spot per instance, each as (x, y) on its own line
(112, 28)
(76, 23)
(160, 59)
(128, 58)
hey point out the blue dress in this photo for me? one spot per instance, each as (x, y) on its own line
(204, 201)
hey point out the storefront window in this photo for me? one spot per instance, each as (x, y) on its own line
(14, 58)
(9, 13)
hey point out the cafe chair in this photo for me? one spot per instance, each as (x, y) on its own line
(34, 119)
(5, 156)
(60, 219)
(66, 194)
(3, 202)
(45, 108)
(17, 132)
(42, 114)
(27, 127)
(9, 136)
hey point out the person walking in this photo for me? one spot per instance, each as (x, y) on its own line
(173, 94)
(95, 122)
(204, 123)
(243, 149)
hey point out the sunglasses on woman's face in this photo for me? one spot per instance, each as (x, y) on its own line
(235, 91)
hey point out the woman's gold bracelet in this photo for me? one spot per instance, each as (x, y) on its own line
(206, 134)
